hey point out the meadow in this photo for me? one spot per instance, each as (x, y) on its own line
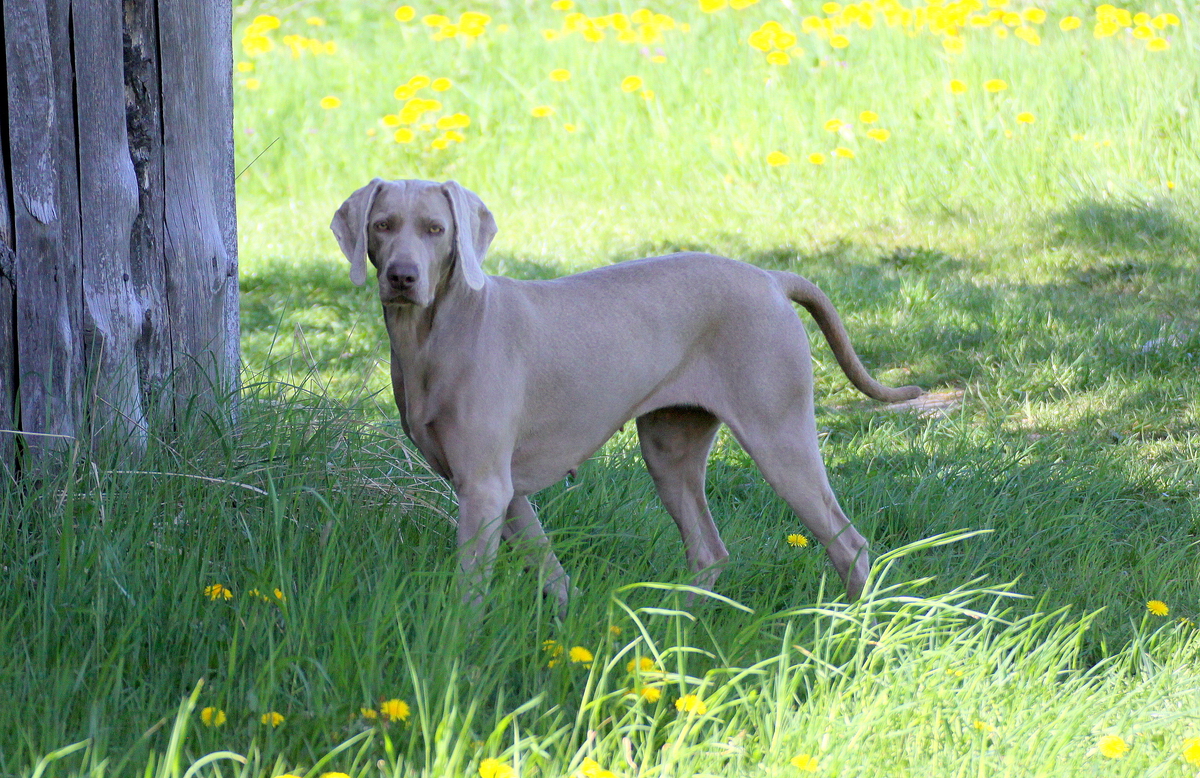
(999, 196)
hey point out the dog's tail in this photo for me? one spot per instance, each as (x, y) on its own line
(806, 293)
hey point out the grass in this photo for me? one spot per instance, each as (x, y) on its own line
(1048, 270)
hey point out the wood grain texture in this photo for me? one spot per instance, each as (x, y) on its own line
(108, 203)
(49, 375)
(195, 46)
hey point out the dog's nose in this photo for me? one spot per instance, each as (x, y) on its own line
(402, 275)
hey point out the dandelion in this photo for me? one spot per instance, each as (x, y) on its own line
(1104, 29)
(775, 159)
(831, 8)
(494, 768)
(1191, 750)
(580, 655)
(839, 41)
(562, 5)
(212, 717)
(868, 117)
(434, 20)
(1112, 746)
(1024, 117)
(712, 6)
(219, 591)
(833, 125)
(1158, 607)
(570, 127)
(983, 726)
(614, 630)
(1029, 35)
(954, 45)
(879, 135)
(405, 13)
(843, 152)
(245, 67)
(645, 664)
(560, 75)
(797, 541)
(805, 763)
(1158, 44)
(778, 58)
(690, 703)
(251, 84)
(368, 713)
(1034, 15)
(403, 135)
(273, 718)
(395, 710)
(647, 94)
(541, 111)
(330, 102)
(651, 694)
(592, 769)
(1068, 23)
(334, 775)
(631, 84)
(658, 59)
(441, 84)
(995, 85)
(957, 86)
(817, 158)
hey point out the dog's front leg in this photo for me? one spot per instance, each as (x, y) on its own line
(523, 531)
(481, 516)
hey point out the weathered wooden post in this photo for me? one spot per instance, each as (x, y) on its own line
(118, 254)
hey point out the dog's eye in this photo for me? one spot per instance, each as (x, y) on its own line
(436, 229)
(383, 225)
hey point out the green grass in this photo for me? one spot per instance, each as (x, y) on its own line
(1052, 279)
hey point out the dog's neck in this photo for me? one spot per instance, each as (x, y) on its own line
(420, 334)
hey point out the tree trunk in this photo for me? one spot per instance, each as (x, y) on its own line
(118, 257)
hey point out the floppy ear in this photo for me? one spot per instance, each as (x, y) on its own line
(474, 229)
(349, 226)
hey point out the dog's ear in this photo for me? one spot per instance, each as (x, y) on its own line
(474, 229)
(349, 226)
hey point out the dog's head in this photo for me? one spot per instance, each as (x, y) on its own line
(417, 234)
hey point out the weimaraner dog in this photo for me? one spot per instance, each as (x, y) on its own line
(506, 386)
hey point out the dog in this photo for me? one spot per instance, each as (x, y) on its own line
(506, 386)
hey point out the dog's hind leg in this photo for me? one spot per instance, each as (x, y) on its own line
(675, 443)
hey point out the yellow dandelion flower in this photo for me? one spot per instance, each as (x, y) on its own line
(542, 111)
(218, 591)
(494, 768)
(839, 41)
(690, 703)
(560, 74)
(1171, 19)
(644, 663)
(569, 127)
(1112, 746)
(245, 67)
(1191, 750)
(1011, 18)
(1142, 32)
(712, 6)
(868, 117)
(368, 713)
(954, 45)
(440, 144)
(1158, 44)
(454, 136)
(650, 694)
(957, 86)
(405, 13)
(212, 717)
(797, 541)
(878, 134)
(435, 20)
(579, 655)
(833, 125)
(252, 84)
(335, 775)
(805, 763)
(330, 102)
(1068, 23)
(1001, 32)
(1029, 35)
(784, 40)
(1024, 117)
(395, 710)
(831, 8)
(1158, 607)
(615, 630)
(817, 158)
(631, 84)
(658, 59)
(983, 726)
(403, 135)
(1034, 15)
(738, 5)
(1141, 18)
(263, 23)
(777, 158)
(441, 84)
(1104, 29)
(315, 21)
(562, 5)
(995, 85)
(778, 58)
(843, 152)
(273, 718)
